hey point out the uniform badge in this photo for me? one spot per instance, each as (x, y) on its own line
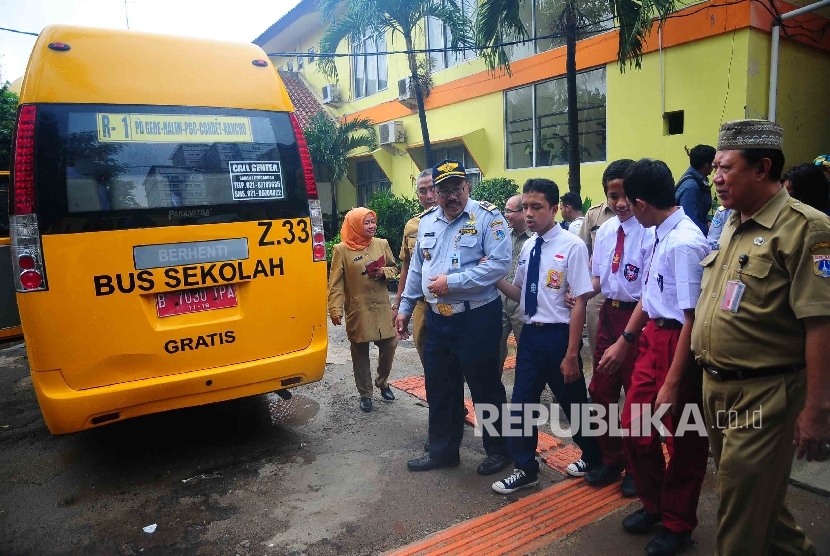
(429, 234)
(448, 166)
(716, 221)
(532, 288)
(660, 282)
(631, 273)
(821, 265)
(357, 259)
(758, 240)
(822, 245)
(427, 255)
(495, 223)
(498, 233)
(554, 279)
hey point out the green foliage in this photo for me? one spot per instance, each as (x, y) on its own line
(8, 114)
(393, 213)
(330, 245)
(586, 204)
(495, 190)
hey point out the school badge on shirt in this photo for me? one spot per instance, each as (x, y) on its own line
(821, 265)
(631, 272)
(554, 279)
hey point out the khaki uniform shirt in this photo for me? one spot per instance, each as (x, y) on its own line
(366, 301)
(596, 216)
(787, 278)
(410, 238)
(518, 241)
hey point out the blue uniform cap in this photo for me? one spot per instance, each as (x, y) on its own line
(447, 169)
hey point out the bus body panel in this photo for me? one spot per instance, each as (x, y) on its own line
(105, 66)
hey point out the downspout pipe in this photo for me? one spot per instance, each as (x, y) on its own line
(776, 39)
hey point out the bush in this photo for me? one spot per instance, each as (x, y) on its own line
(393, 213)
(495, 190)
(586, 204)
(330, 245)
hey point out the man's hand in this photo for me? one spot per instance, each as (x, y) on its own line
(570, 368)
(570, 300)
(669, 394)
(401, 326)
(613, 357)
(335, 320)
(812, 432)
(439, 286)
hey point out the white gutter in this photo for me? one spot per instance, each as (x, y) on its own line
(776, 37)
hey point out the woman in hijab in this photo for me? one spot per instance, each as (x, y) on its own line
(360, 266)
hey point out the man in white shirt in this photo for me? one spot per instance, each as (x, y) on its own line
(552, 261)
(664, 372)
(572, 217)
(622, 249)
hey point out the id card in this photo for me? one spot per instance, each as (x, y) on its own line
(454, 262)
(732, 296)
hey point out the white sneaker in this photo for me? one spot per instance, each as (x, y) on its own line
(518, 480)
(579, 468)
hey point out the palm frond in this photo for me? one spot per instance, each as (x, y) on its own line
(360, 18)
(358, 124)
(497, 22)
(450, 15)
(635, 20)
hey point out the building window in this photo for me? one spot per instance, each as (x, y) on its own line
(290, 65)
(300, 62)
(311, 55)
(370, 180)
(370, 73)
(540, 18)
(439, 36)
(537, 121)
(459, 152)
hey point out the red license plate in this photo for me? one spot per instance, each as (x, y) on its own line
(182, 302)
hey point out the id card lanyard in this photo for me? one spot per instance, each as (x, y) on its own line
(734, 289)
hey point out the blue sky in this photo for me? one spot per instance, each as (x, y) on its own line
(235, 20)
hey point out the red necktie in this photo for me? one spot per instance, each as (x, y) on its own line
(618, 250)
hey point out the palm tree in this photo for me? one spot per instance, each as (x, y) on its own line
(403, 17)
(499, 21)
(328, 145)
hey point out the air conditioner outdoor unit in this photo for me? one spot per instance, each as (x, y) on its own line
(329, 93)
(406, 92)
(391, 132)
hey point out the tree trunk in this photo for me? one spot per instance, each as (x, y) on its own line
(419, 98)
(573, 114)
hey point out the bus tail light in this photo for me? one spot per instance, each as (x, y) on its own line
(318, 247)
(318, 240)
(23, 163)
(27, 255)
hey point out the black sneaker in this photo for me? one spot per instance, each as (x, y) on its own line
(667, 543)
(366, 404)
(602, 475)
(517, 481)
(580, 468)
(387, 394)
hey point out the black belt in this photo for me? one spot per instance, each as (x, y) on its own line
(746, 374)
(627, 305)
(669, 324)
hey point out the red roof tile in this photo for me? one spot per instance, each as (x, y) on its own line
(305, 104)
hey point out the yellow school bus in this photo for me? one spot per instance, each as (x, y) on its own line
(166, 235)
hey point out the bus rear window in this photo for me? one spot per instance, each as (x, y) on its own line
(115, 167)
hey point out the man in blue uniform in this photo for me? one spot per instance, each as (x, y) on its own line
(464, 320)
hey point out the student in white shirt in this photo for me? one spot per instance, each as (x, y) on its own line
(622, 249)
(551, 262)
(664, 372)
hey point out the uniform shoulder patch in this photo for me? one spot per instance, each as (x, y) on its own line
(430, 209)
(488, 206)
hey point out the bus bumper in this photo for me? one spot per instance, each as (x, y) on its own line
(66, 410)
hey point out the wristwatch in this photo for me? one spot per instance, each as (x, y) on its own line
(629, 337)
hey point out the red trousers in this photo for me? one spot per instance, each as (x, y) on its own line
(671, 489)
(605, 387)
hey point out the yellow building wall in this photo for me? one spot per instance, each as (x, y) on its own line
(803, 92)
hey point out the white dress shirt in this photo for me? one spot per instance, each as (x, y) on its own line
(674, 275)
(627, 283)
(563, 265)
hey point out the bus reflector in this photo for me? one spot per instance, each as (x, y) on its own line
(23, 167)
(27, 254)
(305, 158)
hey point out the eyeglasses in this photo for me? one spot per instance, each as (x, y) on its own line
(443, 193)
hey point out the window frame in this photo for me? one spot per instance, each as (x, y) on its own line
(534, 40)
(359, 57)
(311, 55)
(535, 117)
(459, 56)
(363, 187)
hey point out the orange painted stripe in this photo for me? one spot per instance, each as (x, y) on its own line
(533, 521)
(511, 340)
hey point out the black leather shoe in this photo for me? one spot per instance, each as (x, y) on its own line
(426, 463)
(387, 394)
(640, 522)
(494, 464)
(628, 486)
(667, 543)
(603, 475)
(366, 404)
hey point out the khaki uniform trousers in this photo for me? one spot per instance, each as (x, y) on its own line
(362, 371)
(419, 327)
(509, 322)
(751, 424)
